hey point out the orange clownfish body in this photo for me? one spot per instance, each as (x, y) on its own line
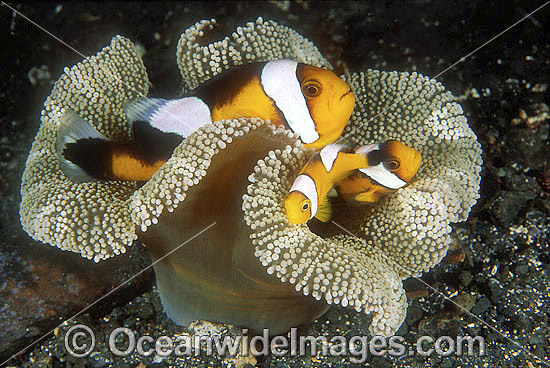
(362, 175)
(307, 198)
(391, 165)
(312, 102)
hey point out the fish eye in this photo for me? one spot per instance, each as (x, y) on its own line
(392, 164)
(311, 88)
(305, 206)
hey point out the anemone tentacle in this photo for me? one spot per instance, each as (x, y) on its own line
(261, 40)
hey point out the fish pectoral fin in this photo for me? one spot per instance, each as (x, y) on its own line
(72, 130)
(332, 193)
(324, 212)
(369, 196)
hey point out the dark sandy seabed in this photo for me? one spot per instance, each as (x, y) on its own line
(498, 267)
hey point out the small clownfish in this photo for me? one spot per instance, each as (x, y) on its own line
(391, 165)
(307, 198)
(312, 102)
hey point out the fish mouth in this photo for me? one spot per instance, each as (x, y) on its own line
(345, 94)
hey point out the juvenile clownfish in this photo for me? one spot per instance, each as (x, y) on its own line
(312, 102)
(307, 197)
(391, 165)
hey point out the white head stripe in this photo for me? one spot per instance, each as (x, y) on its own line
(383, 176)
(182, 116)
(329, 154)
(365, 150)
(281, 84)
(306, 186)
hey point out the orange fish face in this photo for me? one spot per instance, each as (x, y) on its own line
(297, 208)
(400, 159)
(330, 102)
(391, 165)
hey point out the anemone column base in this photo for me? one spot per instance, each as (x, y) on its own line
(216, 276)
(239, 300)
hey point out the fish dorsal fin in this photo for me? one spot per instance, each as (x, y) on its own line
(329, 154)
(142, 108)
(180, 116)
(324, 213)
(72, 128)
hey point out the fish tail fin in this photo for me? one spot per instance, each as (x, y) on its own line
(72, 130)
(324, 212)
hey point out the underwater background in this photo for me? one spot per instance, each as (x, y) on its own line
(498, 267)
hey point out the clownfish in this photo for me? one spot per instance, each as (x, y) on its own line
(307, 198)
(312, 102)
(391, 165)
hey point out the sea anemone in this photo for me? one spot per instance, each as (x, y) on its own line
(88, 218)
(252, 267)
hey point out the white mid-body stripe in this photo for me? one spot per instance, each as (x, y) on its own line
(281, 84)
(329, 154)
(379, 173)
(306, 186)
(182, 116)
(383, 176)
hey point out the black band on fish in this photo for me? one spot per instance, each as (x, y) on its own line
(98, 165)
(153, 144)
(232, 80)
(374, 158)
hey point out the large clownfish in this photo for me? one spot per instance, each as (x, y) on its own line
(307, 198)
(312, 102)
(391, 165)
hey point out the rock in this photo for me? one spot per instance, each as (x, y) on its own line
(447, 364)
(440, 324)
(414, 314)
(403, 330)
(465, 278)
(465, 303)
(507, 205)
(413, 284)
(521, 269)
(481, 306)
(522, 326)
(496, 290)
